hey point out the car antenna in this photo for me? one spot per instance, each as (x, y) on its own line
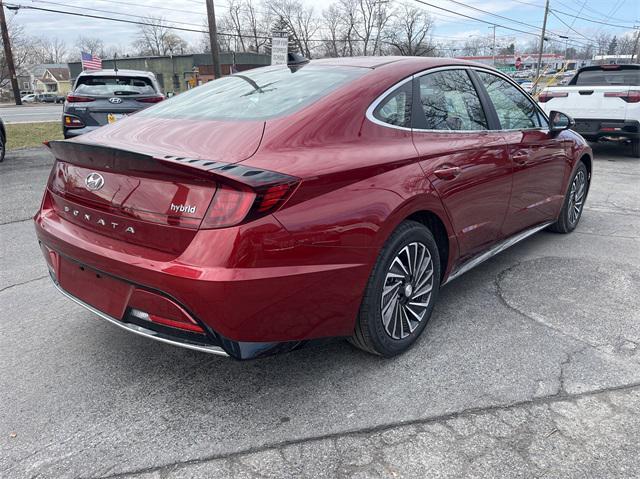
(295, 61)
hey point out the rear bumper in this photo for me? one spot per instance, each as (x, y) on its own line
(73, 132)
(142, 331)
(227, 280)
(594, 129)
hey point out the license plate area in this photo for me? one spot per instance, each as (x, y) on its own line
(113, 117)
(103, 292)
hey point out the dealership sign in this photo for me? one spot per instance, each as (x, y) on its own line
(279, 48)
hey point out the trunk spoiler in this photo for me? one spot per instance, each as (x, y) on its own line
(103, 157)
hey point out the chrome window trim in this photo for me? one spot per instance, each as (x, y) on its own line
(139, 330)
(378, 100)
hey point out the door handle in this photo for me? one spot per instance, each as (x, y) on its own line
(447, 172)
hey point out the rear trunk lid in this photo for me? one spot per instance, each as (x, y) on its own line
(142, 187)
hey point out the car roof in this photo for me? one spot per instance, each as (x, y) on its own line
(118, 72)
(376, 62)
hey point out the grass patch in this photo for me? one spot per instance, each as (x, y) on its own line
(25, 135)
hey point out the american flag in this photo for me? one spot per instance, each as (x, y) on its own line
(91, 62)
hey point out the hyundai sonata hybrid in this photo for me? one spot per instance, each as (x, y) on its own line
(279, 205)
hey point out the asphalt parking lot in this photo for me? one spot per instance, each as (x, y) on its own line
(528, 368)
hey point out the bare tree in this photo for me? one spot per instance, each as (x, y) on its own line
(333, 40)
(24, 51)
(602, 41)
(154, 38)
(50, 50)
(300, 22)
(258, 25)
(92, 45)
(234, 15)
(409, 33)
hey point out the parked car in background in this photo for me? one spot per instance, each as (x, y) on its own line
(106, 96)
(3, 140)
(604, 100)
(248, 215)
(29, 98)
(47, 97)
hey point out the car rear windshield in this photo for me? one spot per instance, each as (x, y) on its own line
(114, 85)
(256, 94)
(624, 77)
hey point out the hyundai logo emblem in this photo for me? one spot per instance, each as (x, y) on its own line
(115, 100)
(94, 181)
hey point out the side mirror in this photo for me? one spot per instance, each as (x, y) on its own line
(558, 121)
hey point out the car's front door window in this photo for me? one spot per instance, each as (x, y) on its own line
(450, 102)
(515, 111)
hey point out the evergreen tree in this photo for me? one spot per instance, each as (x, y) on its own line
(281, 25)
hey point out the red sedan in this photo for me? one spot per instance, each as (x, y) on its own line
(268, 208)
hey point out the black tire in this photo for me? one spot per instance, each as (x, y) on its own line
(635, 148)
(567, 222)
(370, 333)
(3, 148)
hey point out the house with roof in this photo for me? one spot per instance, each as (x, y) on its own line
(53, 80)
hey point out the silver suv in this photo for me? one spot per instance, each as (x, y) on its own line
(104, 96)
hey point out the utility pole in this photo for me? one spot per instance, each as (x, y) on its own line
(635, 45)
(9, 56)
(213, 38)
(493, 50)
(544, 30)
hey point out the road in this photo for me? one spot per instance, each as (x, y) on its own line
(31, 113)
(530, 367)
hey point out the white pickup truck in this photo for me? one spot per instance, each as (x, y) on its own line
(604, 101)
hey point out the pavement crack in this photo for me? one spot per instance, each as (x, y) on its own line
(23, 283)
(16, 221)
(365, 432)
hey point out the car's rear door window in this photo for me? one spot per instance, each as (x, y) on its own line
(450, 102)
(515, 110)
(114, 85)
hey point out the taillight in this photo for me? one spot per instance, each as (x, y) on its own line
(631, 96)
(232, 205)
(71, 121)
(79, 99)
(229, 206)
(151, 99)
(545, 96)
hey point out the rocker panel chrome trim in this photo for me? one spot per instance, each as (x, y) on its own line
(494, 250)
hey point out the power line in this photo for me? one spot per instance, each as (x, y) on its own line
(593, 21)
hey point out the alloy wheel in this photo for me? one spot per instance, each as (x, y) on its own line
(407, 290)
(576, 197)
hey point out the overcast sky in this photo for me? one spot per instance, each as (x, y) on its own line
(447, 26)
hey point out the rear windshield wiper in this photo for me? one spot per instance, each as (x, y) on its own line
(126, 92)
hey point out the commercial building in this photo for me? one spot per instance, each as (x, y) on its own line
(178, 73)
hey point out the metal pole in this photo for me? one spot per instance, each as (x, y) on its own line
(544, 30)
(9, 56)
(493, 51)
(635, 46)
(213, 38)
